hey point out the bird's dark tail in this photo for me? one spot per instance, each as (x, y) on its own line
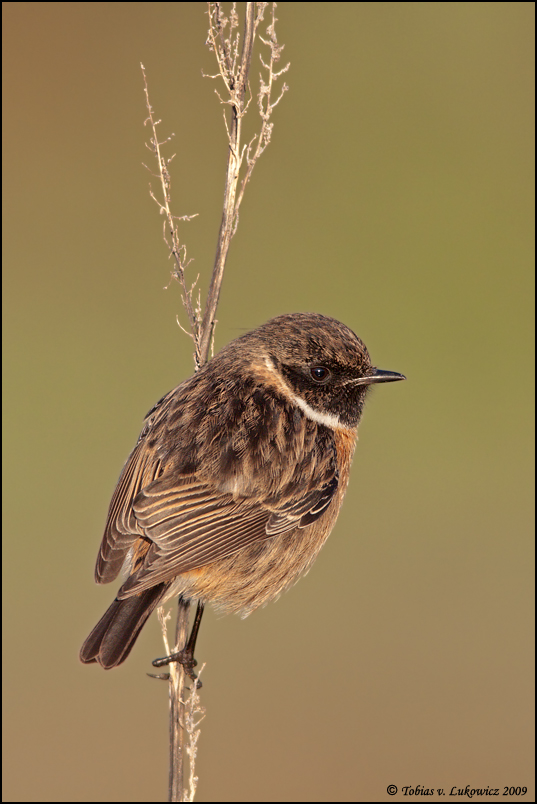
(113, 637)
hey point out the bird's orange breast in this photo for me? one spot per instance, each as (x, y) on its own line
(345, 440)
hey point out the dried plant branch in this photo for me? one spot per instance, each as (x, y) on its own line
(233, 68)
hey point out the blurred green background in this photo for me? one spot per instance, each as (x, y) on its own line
(396, 196)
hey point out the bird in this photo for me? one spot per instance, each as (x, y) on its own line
(236, 480)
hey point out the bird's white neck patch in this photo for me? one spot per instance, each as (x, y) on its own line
(317, 416)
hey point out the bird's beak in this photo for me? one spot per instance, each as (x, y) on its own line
(379, 375)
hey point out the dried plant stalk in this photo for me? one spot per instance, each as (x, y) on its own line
(234, 64)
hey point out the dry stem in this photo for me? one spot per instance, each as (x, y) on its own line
(233, 69)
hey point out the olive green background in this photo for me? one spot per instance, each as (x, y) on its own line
(396, 196)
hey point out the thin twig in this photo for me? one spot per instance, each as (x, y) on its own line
(193, 714)
(177, 715)
(169, 226)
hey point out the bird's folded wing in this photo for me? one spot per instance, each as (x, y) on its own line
(122, 528)
(191, 524)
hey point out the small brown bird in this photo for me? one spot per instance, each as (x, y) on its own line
(236, 480)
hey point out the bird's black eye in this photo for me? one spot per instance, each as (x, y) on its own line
(319, 373)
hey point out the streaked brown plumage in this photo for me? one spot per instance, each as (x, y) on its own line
(237, 478)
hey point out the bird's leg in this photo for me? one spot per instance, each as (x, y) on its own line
(186, 655)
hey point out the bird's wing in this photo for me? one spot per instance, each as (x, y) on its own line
(191, 524)
(141, 468)
(122, 529)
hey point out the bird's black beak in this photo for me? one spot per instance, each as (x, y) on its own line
(379, 375)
